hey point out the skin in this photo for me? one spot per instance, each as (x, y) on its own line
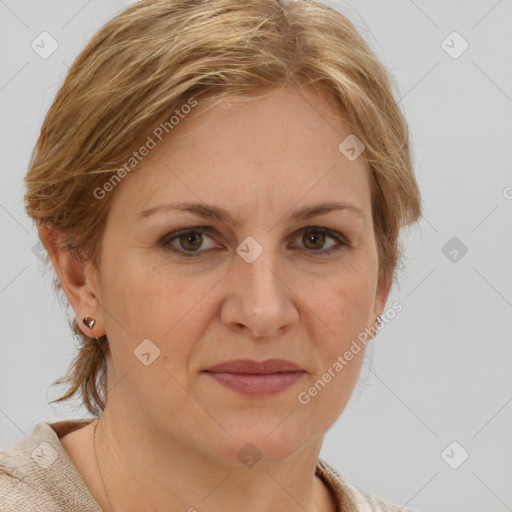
(261, 161)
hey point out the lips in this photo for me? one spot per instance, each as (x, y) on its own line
(256, 378)
(248, 366)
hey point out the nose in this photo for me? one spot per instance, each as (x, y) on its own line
(259, 301)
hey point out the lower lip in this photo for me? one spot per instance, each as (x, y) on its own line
(258, 384)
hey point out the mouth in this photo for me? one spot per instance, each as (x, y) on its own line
(256, 378)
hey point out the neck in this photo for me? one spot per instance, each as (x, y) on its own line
(140, 471)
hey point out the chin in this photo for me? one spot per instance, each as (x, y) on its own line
(265, 439)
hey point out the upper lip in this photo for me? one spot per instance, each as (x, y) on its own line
(255, 367)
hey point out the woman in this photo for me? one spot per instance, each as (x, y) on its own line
(220, 186)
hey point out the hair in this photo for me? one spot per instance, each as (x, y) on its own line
(155, 56)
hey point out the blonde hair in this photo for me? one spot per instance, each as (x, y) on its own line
(150, 60)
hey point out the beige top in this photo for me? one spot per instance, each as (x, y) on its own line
(36, 475)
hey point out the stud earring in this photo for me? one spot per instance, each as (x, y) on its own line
(89, 322)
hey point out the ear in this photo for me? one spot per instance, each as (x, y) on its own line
(79, 280)
(382, 293)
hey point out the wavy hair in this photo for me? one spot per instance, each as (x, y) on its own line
(152, 58)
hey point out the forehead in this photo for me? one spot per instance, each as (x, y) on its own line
(278, 149)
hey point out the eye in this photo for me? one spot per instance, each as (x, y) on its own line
(191, 242)
(314, 238)
(188, 240)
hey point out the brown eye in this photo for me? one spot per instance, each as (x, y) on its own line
(198, 242)
(313, 240)
(191, 241)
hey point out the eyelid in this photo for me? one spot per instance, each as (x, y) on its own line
(169, 237)
(331, 233)
(210, 231)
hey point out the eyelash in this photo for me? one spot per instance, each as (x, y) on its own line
(205, 230)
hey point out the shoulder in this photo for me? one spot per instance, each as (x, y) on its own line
(37, 474)
(351, 499)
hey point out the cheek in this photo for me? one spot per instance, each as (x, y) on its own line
(340, 310)
(163, 303)
(148, 303)
(343, 302)
(139, 292)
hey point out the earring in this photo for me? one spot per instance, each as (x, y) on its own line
(89, 322)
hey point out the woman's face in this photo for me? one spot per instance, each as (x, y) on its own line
(270, 281)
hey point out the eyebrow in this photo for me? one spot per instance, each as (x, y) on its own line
(211, 212)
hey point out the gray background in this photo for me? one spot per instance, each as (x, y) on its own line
(440, 371)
